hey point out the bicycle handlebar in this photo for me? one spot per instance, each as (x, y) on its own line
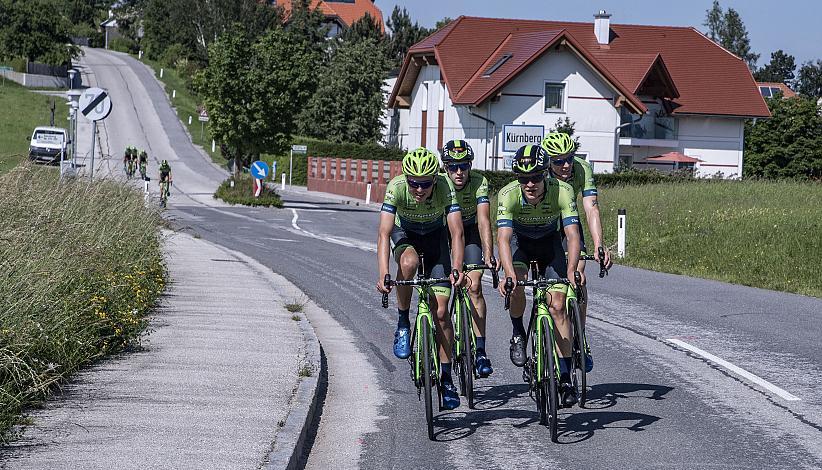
(603, 270)
(388, 282)
(494, 273)
(539, 283)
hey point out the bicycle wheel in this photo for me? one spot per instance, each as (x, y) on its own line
(536, 378)
(467, 350)
(425, 341)
(549, 381)
(580, 378)
(457, 349)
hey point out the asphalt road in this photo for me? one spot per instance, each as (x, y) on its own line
(655, 402)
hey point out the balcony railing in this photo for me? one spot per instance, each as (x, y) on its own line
(652, 127)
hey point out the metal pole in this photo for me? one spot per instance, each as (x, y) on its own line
(290, 165)
(93, 138)
(621, 229)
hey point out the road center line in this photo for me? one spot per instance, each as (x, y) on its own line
(736, 370)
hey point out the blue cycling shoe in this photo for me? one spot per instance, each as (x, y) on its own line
(450, 396)
(482, 366)
(589, 362)
(402, 343)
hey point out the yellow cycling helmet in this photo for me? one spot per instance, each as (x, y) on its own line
(420, 162)
(558, 143)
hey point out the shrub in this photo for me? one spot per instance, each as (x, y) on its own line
(243, 193)
(172, 54)
(639, 177)
(123, 44)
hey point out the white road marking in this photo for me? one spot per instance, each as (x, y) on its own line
(736, 370)
(351, 243)
(279, 239)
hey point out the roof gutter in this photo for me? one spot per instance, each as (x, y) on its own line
(494, 139)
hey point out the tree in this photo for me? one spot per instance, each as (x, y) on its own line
(349, 101)
(365, 27)
(779, 69)
(442, 23)
(567, 126)
(252, 89)
(789, 144)
(729, 31)
(166, 23)
(404, 34)
(25, 31)
(809, 82)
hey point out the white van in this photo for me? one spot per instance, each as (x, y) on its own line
(47, 144)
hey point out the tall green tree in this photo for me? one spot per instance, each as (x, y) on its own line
(404, 34)
(779, 69)
(168, 22)
(789, 144)
(728, 30)
(349, 100)
(442, 23)
(809, 82)
(37, 30)
(567, 126)
(253, 88)
(365, 27)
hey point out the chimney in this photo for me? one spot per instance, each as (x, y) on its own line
(602, 27)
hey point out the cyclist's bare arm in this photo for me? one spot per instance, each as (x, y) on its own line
(454, 220)
(574, 247)
(484, 224)
(591, 206)
(506, 258)
(384, 248)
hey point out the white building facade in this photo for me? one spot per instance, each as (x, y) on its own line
(617, 124)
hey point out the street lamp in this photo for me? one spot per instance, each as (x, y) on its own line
(74, 107)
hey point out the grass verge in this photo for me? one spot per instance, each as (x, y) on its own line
(243, 193)
(23, 111)
(80, 267)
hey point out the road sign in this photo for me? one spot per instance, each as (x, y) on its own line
(259, 170)
(299, 148)
(203, 115)
(95, 104)
(515, 136)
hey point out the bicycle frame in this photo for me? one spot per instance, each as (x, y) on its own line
(424, 315)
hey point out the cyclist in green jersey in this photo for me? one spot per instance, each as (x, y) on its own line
(565, 166)
(530, 213)
(416, 209)
(472, 193)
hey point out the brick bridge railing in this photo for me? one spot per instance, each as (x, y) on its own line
(350, 177)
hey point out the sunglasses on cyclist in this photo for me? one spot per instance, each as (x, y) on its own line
(419, 184)
(535, 178)
(455, 167)
(562, 161)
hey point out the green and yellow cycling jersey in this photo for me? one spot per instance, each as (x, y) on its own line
(542, 219)
(582, 178)
(424, 217)
(474, 193)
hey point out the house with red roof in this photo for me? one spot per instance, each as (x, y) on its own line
(771, 89)
(340, 14)
(634, 92)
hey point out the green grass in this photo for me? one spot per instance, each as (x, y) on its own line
(756, 233)
(22, 111)
(80, 267)
(186, 103)
(242, 193)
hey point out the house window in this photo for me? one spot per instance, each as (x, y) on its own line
(765, 91)
(497, 65)
(554, 97)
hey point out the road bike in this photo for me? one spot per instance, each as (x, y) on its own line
(541, 369)
(165, 191)
(143, 166)
(465, 340)
(424, 359)
(129, 168)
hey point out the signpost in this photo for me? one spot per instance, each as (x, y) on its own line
(515, 136)
(259, 170)
(298, 149)
(203, 118)
(95, 105)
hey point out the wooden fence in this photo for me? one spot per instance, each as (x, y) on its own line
(350, 177)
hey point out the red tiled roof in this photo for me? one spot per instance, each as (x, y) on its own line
(785, 89)
(674, 157)
(348, 13)
(703, 77)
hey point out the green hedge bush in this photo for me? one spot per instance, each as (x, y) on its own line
(243, 193)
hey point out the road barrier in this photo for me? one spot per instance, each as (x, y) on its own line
(351, 177)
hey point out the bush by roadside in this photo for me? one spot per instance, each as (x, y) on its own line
(80, 267)
(243, 193)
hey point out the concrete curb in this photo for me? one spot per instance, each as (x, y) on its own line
(289, 441)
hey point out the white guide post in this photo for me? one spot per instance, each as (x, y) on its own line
(621, 220)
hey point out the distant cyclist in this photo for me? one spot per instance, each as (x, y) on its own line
(166, 180)
(128, 161)
(143, 163)
(567, 167)
(472, 194)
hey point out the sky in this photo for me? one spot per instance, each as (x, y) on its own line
(790, 25)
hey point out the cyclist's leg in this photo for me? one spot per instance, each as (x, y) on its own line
(440, 256)
(407, 260)
(556, 268)
(473, 255)
(521, 258)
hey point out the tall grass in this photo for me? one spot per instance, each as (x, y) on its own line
(80, 265)
(758, 233)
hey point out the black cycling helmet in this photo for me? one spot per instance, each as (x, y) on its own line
(457, 151)
(529, 159)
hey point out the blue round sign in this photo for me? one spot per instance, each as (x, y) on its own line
(259, 170)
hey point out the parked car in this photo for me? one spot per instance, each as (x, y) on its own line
(48, 144)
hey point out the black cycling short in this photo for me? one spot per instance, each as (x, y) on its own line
(473, 244)
(583, 249)
(432, 245)
(164, 175)
(546, 251)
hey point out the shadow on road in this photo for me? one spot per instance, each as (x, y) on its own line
(601, 396)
